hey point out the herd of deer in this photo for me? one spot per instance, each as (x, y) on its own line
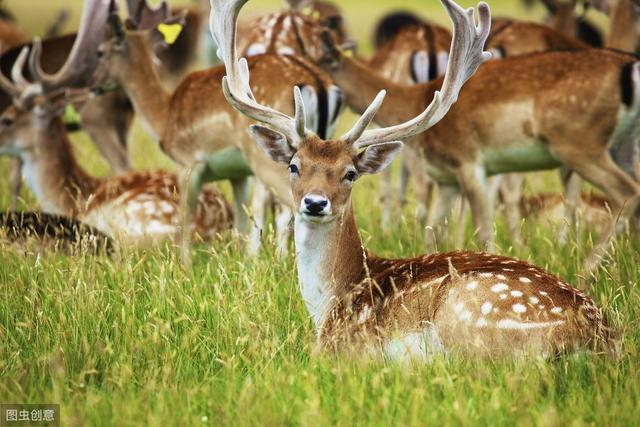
(546, 100)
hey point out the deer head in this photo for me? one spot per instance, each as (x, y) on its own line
(322, 172)
(128, 44)
(37, 102)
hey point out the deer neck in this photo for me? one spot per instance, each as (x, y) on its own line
(621, 31)
(330, 260)
(361, 84)
(52, 173)
(145, 90)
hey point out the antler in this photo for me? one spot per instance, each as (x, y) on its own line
(466, 55)
(19, 84)
(82, 59)
(222, 23)
(144, 17)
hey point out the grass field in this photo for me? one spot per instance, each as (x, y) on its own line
(137, 339)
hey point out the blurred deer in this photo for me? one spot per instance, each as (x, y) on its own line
(203, 134)
(138, 208)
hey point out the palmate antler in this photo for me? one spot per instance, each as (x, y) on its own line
(222, 23)
(467, 53)
(83, 58)
(142, 16)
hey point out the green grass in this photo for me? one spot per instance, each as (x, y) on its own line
(137, 339)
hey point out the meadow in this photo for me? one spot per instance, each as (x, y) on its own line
(138, 339)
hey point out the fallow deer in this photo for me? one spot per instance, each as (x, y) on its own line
(416, 51)
(106, 119)
(460, 302)
(202, 133)
(138, 207)
(292, 31)
(522, 125)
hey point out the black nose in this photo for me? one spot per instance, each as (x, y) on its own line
(315, 206)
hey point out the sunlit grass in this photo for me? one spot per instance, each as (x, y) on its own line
(138, 339)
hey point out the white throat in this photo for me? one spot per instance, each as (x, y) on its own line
(311, 256)
(32, 172)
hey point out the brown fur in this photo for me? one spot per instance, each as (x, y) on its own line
(376, 299)
(508, 37)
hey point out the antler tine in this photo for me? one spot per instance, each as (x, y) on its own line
(466, 55)
(16, 85)
(365, 119)
(82, 59)
(235, 85)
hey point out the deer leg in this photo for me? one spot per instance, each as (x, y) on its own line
(259, 200)
(191, 188)
(572, 183)
(623, 193)
(104, 119)
(15, 182)
(473, 182)
(510, 190)
(283, 229)
(441, 207)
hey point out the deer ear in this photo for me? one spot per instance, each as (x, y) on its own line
(273, 143)
(377, 157)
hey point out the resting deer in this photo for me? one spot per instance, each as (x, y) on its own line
(469, 303)
(291, 32)
(138, 207)
(521, 125)
(193, 130)
(107, 119)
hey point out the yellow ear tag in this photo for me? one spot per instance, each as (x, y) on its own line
(71, 116)
(170, 32)
(316, 15)
(347, 53)
(307, 11)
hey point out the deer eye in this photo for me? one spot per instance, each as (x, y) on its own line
(294, 169)
(350, 176)
(6, 121)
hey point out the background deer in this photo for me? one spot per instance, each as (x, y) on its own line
(520, 125)
(139, 206)
(416, 51)
(107, 119)
(191, 128)
(470, 303)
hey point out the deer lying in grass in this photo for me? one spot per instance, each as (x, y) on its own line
(107, 119)
(293, 31)
(138, 207)
(469, 303)
(522, 125)
(193, 129)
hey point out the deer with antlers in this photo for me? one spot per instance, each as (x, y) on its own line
(139, 207)
(520, 126)
(471, 303)
(107, 119)
(197, 132)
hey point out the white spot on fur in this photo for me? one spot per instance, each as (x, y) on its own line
(556, 310)
(472, 285)
(503, 296)
(533, 300)
(501, 277)
(519, 308)
(525, 280)
(516, 294)
(485, 275)
(481, 322)
(514, 324)
(499, 287)
(486, 308)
